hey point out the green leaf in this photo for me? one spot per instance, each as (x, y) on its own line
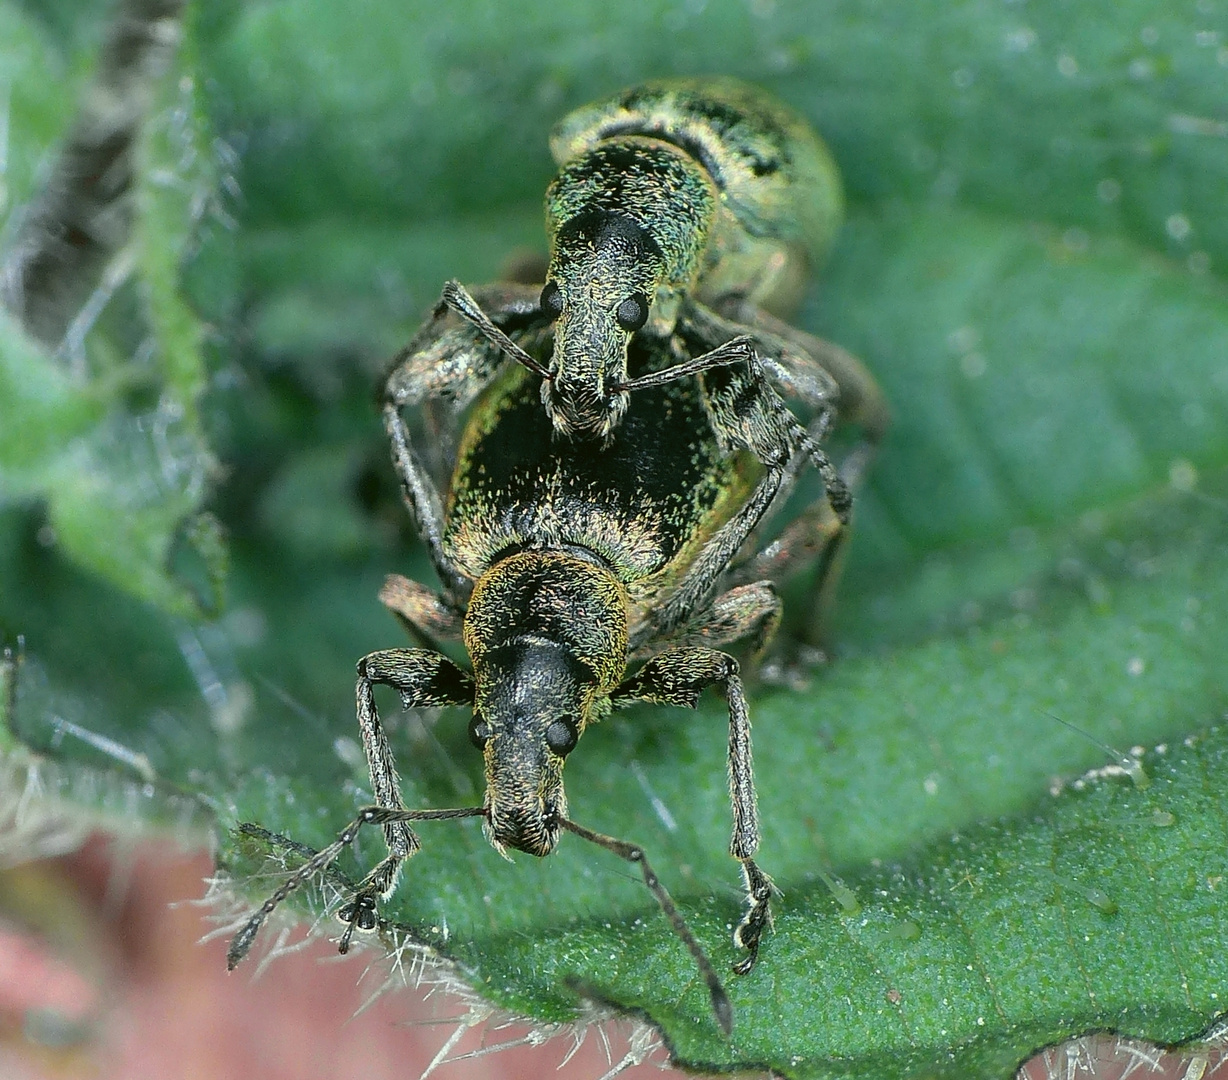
(41, 78)
(1033, 267)
(104, 424)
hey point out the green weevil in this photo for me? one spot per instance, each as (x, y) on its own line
(688, 211)
(580, 579)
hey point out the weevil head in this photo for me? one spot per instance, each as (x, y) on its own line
(547, 634)
(628, 222)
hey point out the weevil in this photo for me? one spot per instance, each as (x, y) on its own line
(580, 580)
(687, 211)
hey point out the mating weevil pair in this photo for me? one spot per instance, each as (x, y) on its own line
(621, 526)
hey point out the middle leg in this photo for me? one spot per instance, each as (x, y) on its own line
(426, 616)
(746, 413)
(748, 612)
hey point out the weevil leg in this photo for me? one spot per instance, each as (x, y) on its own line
(784, 357)
(445, 366)
(816, 533)
(424, 680)
(241, 943)
(427, 616)
(746, 409)
(748, 611)
(861, 400)
(697, 585)
(793, 370)
(456, 297)
(809, 369)
(746, 413)
(678, 677)
(819, 533)
(422, 499)
(454, 361)
(820, 511)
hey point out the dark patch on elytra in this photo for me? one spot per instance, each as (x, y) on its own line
(662, 463)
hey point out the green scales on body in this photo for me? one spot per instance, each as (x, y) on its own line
(583, 541)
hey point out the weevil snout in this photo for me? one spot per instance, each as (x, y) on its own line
(585, 406)
(520, 817)
(529, 718)
(604, 270)
(585, 397)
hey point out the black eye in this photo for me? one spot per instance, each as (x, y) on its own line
(478, 732)
(632, 313)
(561, 736)
(551, 301)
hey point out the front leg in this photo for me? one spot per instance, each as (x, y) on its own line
(424, 680)
(698, 583)
(454, 361)
(678, 677)
(861, 401)
(746, 413)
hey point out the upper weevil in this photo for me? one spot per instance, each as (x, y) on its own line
(683, 210)
(580, 579)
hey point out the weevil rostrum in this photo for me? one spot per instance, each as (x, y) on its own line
(584, 575)
(688, 211)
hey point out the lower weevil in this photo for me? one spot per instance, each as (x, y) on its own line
(563, 565)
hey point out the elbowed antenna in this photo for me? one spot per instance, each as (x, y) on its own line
(633, 853)
(458, 299)
(241, 943)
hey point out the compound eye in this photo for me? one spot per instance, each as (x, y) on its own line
(561, 736)
(632, 313)
(479, 732)
(551, 301)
